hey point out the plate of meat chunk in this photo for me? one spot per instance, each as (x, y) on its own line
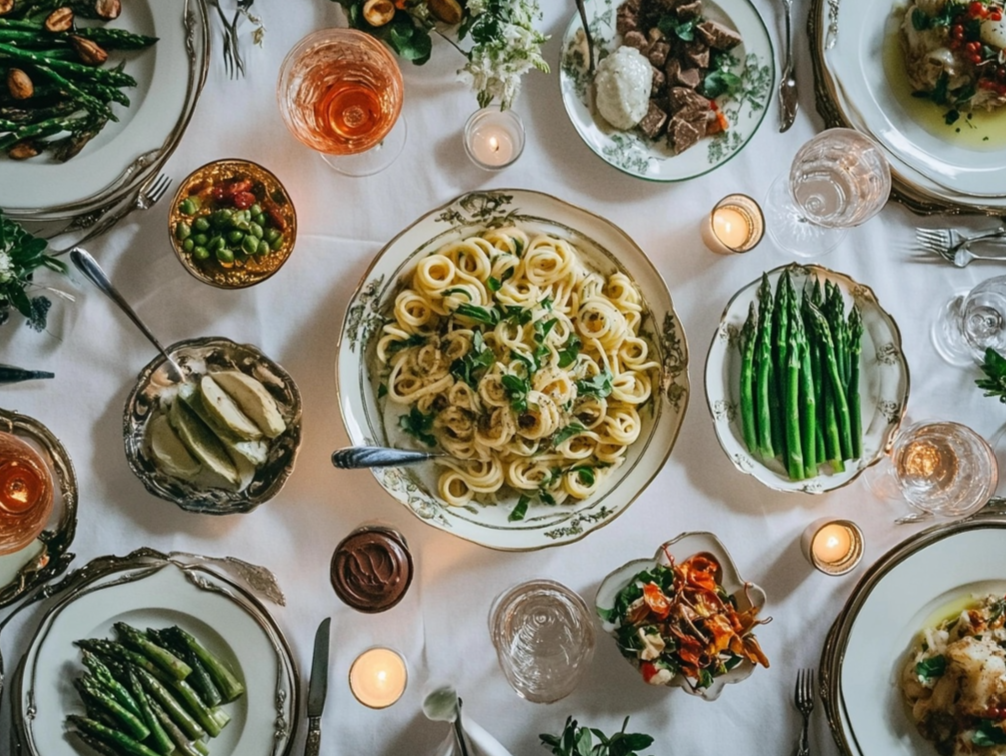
(680, 85)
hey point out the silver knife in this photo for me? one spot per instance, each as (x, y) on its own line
(318, 687)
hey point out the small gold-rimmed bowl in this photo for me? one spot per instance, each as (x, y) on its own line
(201, 207)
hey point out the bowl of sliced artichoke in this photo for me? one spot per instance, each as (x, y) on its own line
(221, 441)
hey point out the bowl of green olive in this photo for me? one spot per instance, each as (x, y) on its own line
(232, 223)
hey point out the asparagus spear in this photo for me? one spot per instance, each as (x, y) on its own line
(184, 745)
(104, 676)
(158, 655)
(104, 75)
(115, 39)
(749, 340)
(111, 651)
(98, 746)
(230, 687)
(765, 400)
(161, 741)
(92, 693)
(855, 349)
(117, 739)
(808, 399)
(791, 407)
(200, 678)
(780, 365)
(812, 290)
(170, 704)
(835, 383)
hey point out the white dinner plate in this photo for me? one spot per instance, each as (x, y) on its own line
(225, 619)
(872, 92)
(884, 382)
(631, 152)
(872, 637)
(606, 248)
(169, 76)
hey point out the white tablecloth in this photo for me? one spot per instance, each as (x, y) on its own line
(295, 318)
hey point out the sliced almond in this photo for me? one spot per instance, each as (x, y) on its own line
(90, 53)
(60, 20)
(255, 401)
(19, 84)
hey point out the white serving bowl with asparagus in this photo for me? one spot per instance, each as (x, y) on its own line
(805, 379)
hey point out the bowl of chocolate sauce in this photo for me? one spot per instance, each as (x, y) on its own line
(371, 569)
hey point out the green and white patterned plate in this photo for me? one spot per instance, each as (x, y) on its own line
(607, 249)
(630, 151)
(884, 382)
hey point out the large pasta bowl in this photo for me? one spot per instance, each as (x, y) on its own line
(604, 248)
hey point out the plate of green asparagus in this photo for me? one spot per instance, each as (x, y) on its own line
(157, 659)
(94, 96)
(805, 379)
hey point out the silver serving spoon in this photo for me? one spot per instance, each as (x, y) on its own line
(443, 705)
(590, 38)
(87, 265)
(356, 457)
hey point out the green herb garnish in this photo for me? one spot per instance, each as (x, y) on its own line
(994, 382)
(419, 425)
(599, 386)
(579, 741)
(20, 255)
(933, 667)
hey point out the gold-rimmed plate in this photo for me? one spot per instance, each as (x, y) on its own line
(605, 248)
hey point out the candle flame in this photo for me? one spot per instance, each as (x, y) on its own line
(494, 144)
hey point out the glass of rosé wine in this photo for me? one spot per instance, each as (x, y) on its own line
(340, 92)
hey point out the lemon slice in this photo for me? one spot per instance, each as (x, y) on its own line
(201, 442)
(169, 452)
(253, 399)
(225, 411)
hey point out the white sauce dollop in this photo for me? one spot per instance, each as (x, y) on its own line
(622, 85)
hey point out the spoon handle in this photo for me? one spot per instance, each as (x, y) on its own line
(355, 457)
(87, 265)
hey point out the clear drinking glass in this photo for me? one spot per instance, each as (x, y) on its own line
(939, 468)
(340, 92)
(972, 322)
(544, 639)
(838, 180)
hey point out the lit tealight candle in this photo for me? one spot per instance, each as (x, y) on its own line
(378, 677)
(493, 138)
(833, 546)
(735, 225)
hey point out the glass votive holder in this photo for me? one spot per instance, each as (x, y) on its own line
(833, 547)
(494, 138)
(378, 677)
(544, 638)
(734, 226)
(26, 493)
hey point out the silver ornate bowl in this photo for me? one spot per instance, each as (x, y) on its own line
(200, 355)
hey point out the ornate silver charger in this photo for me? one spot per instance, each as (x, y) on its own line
(47, 557)
(218, 599)
(200, 356)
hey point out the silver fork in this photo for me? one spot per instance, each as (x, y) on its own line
(232, 63)
(953, 246)
(804, 700)
(146, 198)
(788, 100)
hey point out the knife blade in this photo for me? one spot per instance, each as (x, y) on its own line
(318, 687)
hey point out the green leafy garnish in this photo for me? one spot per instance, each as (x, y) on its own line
(514, 314)
(485, 315)
(928, 669)
(599, 386)
(472, 366)
(988, 734)
(721, 82)
(683, 30)
(994, 382)
(458, 290)
(579, 741)
(951, 117)
(542, 328)
(520, 511)
(517, 389)
(415, 339)
(419, 425)
(585, 474)
(567, 433)
(20, 255)
(570, 351)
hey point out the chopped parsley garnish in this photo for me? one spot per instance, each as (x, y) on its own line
(683, 30)
(458, 290)
(573, 429)
(517, 389)
(570, 351)
(930, 668)
(542, 328)
(419, 425)
(988, 734)
(415, 339)
(486, 315)
(585, 474)
(520, 511)
(472, 366)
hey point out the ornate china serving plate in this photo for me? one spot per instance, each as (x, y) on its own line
(870, 640)
(632, 153)
(884, 383)
(170, 76)
(147, 588)
(47, 557)
(605, 248)
(200, 355)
